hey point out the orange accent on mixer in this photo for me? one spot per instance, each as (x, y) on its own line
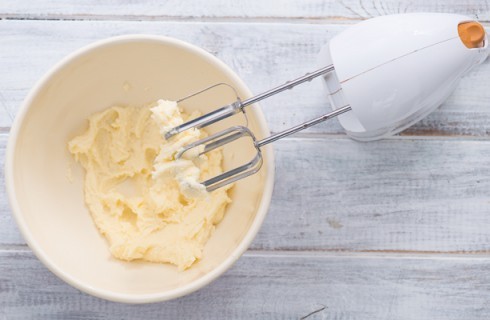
(472, 34)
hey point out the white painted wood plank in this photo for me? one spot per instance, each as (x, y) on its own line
(392, 195)
(9, 234)
(403, 195)
(271, 9)
(263, 54)
(279, 286)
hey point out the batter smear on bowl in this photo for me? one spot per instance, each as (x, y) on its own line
(148, 205)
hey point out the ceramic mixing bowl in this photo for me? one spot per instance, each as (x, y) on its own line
(45, 185)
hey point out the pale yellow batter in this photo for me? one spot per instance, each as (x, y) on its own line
(145, 203)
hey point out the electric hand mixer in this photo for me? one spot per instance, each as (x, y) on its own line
(382, 75)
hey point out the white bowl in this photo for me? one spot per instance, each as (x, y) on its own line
(44, 184)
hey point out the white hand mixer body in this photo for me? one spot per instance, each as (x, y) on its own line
(381, 75)
(394, 70)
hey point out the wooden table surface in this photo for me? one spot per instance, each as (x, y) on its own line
(394, 229)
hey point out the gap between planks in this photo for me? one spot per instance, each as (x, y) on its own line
(163, 18)
(331, 254)
(373, 254)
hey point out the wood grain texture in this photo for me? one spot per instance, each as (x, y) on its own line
(279, 286)
(406, 195)
(9, 234)
(336, 204)
(264, 55)
(394, 195)
(272, 9)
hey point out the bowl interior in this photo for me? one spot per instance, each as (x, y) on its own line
(47, 183)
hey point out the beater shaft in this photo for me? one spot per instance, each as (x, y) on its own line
(288, 85)
(237, 106)
(303, 126)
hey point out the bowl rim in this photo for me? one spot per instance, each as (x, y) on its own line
(107, 294)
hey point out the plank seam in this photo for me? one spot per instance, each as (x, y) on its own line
(14, 247)
(395, 254)
(228, 19)
(392, 254)
(166, 18)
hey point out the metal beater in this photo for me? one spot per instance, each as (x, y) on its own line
(391, 71)
(233, 133)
